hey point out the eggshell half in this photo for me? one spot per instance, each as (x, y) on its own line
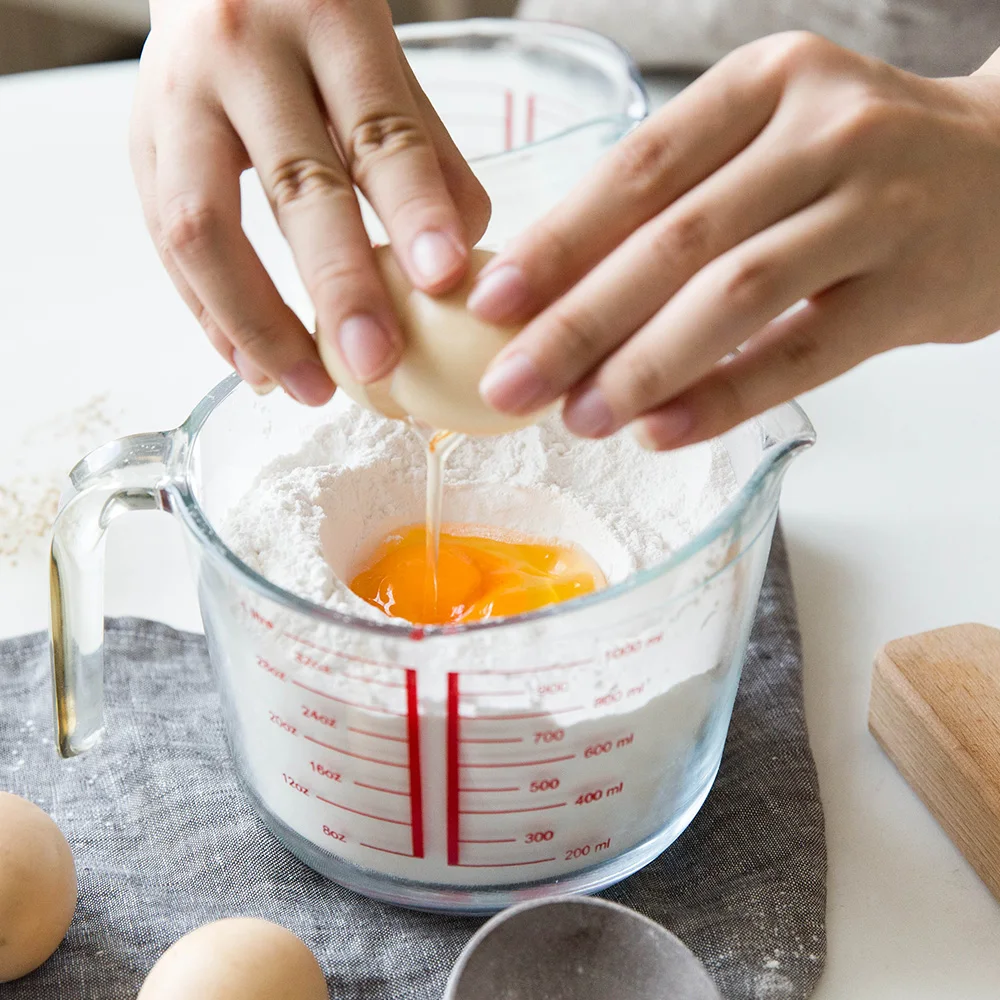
(37, 887)
(446, 352)
(236, 959)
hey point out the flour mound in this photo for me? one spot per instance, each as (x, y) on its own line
(312, 518)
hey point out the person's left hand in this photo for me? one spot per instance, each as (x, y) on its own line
(793, 172)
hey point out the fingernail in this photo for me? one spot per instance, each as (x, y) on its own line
(512, 384)
(366, 347)
(251, 374)
(589, 415)
(499, 295)
(666, 428)
(435, 257)
(307, 382)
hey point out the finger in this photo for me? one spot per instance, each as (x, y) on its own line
(691, 137)
(143, 157)
(275, 113)
(721, 307)
(763, 184)
(470, 196)
(386, 143)
(199, 160)
(818, 342)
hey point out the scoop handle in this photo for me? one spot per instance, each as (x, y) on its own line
(122, 476)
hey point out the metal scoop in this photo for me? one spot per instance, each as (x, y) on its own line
(576, 948)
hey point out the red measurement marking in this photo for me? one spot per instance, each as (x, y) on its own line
(534, 670)
(524, 763)
(515, 789)
(452, 738)
(352, 704)
(509, 864)
(416, 778)
(529, 128)
(357, 756)
(511, 739)
(526, 715)
(494, 694)
(513, 840)
(378, 736)
(510, 812)
(373, 680)
(378, 788)
(385, 850)
(508, 120)
(342, 655)
(264, 665)
(258, 617)
(358, 812)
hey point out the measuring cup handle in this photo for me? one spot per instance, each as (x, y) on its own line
(121, 476)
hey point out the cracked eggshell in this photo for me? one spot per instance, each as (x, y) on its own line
(236, 959)
(37, 887)
(446, 352)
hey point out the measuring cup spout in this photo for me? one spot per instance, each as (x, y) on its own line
(121, 476)
(786, 432)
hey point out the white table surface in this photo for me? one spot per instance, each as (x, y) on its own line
(891, 520)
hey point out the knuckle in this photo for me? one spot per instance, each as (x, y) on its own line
(789, 53)
(800, 354)
(643, 158)
(553, 246)
(332, 9)
(750, 281)
(381, 135)
(729, 406)
(865, 120)
(686, 237)
(254, 339)
(908, 200)
(329, 279)
(644, 380)
(301, 178)
(190, 226)
(577, 335)
(227, 19)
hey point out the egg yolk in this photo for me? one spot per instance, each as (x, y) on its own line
(477, 577)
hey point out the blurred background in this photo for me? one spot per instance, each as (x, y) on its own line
(41, 34)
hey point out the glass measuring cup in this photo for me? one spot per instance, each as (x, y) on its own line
(457, 768)
(463, 768)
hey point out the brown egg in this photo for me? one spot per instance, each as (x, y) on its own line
(37, 887)
(445, 354)
(236, 959)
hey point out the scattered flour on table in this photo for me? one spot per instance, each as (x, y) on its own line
(34, 466)
(311, 519)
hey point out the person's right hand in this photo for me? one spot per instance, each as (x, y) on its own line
(317, 95)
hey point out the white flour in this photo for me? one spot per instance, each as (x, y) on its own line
(320, 713)
(308, 525)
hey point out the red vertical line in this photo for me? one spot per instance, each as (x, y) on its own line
(452, 754)
(508, 120)
(529, 127)
(416, 775)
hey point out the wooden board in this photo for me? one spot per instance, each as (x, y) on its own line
(935, 708)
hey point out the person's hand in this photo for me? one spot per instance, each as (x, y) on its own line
(794, 173)
(316, 94)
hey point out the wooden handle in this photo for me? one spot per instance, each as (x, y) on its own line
(935, 709)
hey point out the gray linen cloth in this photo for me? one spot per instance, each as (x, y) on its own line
(164, 840)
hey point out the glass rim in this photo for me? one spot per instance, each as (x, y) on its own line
(631, 115)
